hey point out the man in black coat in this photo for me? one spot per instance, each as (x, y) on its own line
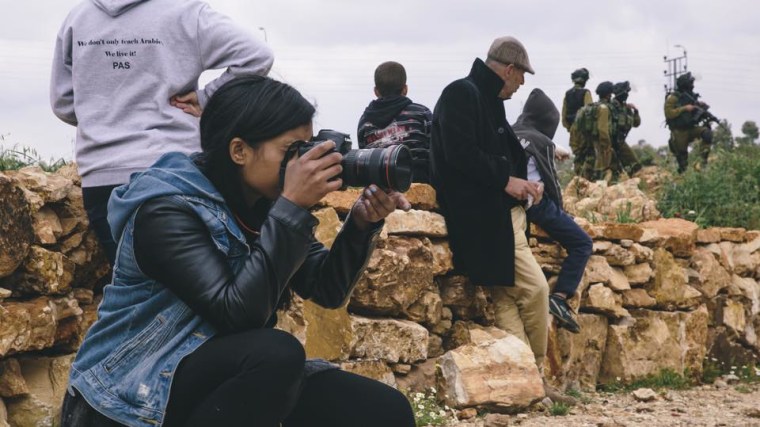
(479, 171)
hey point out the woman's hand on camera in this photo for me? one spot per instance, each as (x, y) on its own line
(308, 177)
(376, 204)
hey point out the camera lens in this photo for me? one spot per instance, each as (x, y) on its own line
(388, 168)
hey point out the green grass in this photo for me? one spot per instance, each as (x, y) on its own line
(15, 158)
(559, 409)
(584, 399)
(743, 388)
(666, 379)
(623, 215)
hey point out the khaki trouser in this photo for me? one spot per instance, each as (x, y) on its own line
(523, 309)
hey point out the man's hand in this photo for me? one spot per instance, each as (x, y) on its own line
(689, 107)
(520, 189)
(561, 155)
(188, 103)
(375, 204)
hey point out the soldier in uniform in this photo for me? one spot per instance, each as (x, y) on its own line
(625, 116)
(605, 129)
(575, 98)
(681, 107)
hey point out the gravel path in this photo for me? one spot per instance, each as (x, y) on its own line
(735, 405)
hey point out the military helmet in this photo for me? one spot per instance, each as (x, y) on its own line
(621, 88)
(685, 81)
(604, 89)
(580, 75)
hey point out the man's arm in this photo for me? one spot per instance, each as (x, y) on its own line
(566, 124)
(671, 107)
(61, 80)
(223, 44)
(587, 98)
(457, 117)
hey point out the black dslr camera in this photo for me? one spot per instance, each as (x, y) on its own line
(389, 168)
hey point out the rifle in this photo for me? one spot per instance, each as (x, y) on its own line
(700, 115)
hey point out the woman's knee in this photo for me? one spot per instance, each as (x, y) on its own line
(278, 351)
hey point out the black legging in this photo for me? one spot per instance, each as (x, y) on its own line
(255, 378)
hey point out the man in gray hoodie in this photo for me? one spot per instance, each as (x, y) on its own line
(535, 128)
(125, 73)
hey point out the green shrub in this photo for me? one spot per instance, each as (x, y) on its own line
(559, 409)
(726, 193)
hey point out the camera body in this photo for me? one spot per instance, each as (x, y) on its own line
(389, 168)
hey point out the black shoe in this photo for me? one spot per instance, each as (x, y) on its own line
(558, 308)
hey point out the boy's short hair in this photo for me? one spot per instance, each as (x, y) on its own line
(390, 78)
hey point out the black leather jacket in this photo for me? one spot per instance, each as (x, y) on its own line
(172, 246)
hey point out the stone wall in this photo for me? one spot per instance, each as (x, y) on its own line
(657, 294)
(51, 271)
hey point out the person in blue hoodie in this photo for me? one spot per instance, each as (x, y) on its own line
(125, 73)
(536, 127)
(210, 247)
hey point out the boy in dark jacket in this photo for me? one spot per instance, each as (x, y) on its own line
(536, 127)
(393, 119)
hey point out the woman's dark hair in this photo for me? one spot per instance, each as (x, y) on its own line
(254, 109)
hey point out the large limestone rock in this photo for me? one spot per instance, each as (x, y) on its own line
(603, 300)
(422, 196)
(329, 226)
(575, 359)
(341, 201)
(711, 277)
(466, 301)
(599, 202)
(328, 332)
(618, 231)
(468, 332)
(674, 234)
(34, 325)
(47, 378)
(416, 223)
(670, 287)
(396, 276)
(654, 341)
(598, 270)
(46, 187)
(12, 383)
(500, 375)
(731, 314)
(390, 340)
(43, 272)
(16, 232)
(427, 310)
(47, 226)
(638, 274)
(443, 258)
(638, 298)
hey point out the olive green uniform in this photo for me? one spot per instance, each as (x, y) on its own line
(682, 131)
(603, 139)
(576, 140)
(625, 118)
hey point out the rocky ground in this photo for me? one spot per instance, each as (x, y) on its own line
(710, 405)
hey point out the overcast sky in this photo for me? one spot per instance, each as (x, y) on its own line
(328, 49)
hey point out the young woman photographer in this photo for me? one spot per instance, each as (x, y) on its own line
(210, 246)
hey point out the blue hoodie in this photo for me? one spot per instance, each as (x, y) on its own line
(118, 62)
